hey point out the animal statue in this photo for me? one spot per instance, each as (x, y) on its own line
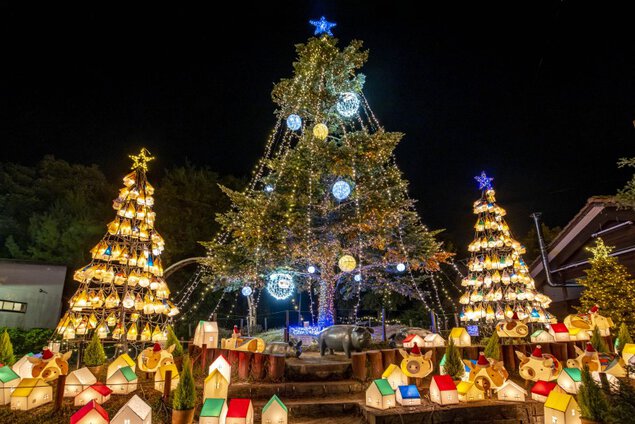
(589, 321)
(486, 373)
(152, 358)
(588, 357)
(344, 338)
(290, 350)
(50, 366)
(538, 366)
(514, 327)
(414, 364)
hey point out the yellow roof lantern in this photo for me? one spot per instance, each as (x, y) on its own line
(391, 368)
(558, 401)
(457, 332)
(27, 385)
(463, 387)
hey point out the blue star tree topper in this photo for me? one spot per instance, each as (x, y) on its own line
(323, 26)
(484, 182)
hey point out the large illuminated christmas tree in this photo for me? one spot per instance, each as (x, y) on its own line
(328, 207)
(498, 283)
(122, 294)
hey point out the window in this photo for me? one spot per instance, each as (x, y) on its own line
(46, 396)
(554, 420)
(11, 306)
(573, 412)
(126, 421)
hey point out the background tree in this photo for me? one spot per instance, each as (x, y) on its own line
(453, 366)
(598, 342)
(530, 241)
(591, 398)
(328, 188)
(623, 337)
(626, 195)
(609, 285)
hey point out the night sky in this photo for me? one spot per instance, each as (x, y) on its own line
(540, 94)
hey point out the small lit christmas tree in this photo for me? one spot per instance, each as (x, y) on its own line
(498, 283)
(6, 349)
(609, 286)
(122, 294)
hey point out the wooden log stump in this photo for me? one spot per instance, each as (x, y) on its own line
(559, 350)
(275, 371)
(547, 348)
(571, 353)
(509, 357)
(258, 366)
(204, 359)
(388, 357)
(232, 358)
(167, 385)
(59, 392)
(398, 357)
(471, 352)
(358, 362)
(376, 364)
(244, 362)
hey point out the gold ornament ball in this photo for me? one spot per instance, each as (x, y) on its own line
(347, 263)
(320, 131)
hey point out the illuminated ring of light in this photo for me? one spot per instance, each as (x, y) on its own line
(280, 285)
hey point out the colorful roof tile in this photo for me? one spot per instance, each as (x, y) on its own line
(212, 407)
(574, 373)
(384, 387)
(128, 373)
(559, 327)
(464, 386)
(543, 388)
(444, 382)
(391, 368)
(277, 400)
(409, 392)
(238, 408)
(558, 401)
(101, 388)
(457, 332)
(7, 374)
(77, 416)
(26, 386)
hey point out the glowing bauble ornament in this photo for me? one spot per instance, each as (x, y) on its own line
(341, 190)
(348, 104)
(311, 269)
(246, 291)
(401, 267)
(268, 188)
(357, 277)
(320, 131)
(347, 263)
(294, 122)
(280, 285)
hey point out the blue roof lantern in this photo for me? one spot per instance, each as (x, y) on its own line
(409, 392)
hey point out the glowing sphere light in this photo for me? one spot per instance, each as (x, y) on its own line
(280, 285)
(347, 263)
(348, 104)
(401, 267)
(294, 122)
(268, 188)
(246, 291)
(357, 277)
(320, 131)
(311, 269)
(341, 190)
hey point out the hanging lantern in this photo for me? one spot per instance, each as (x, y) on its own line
(146, 334)
(134, 317)
(102, 330)
(69, 333)
(128, 300)
(138, 302)
(347, 263)
(92, 321)
(118, 331)
(320, 131)
(111, 320)
(173, 310)
(157, 334)
(112, 301)
(132, 332)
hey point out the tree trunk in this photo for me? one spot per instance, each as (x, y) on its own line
(326, 303)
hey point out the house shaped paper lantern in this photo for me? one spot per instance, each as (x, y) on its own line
(411, 339)
(443, 391)
(559, 331)
(213, 411)
(511, 391)
(223, 366)
(541, 390)
(460, 336)
(408, 395)
(570, 380)
(123, 381)
(98, 392)
(216, 386)
(135, 411)
(617, 368)
(23, 367)
(380, 395)
(275, 412)
(77, 381)
(91, 413)
(468, 392)
(395, 376)
(240, 411)
(542, 336)
(159, 377)
(561, 408)
(433, 340)
(31, 393)
(578, 334)
(121, 361)
(628, 352)
(206, 334)
(9, 380)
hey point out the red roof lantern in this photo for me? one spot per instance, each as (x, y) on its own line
(77, 416)
(238, 408)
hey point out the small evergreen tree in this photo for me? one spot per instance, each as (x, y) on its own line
(173, 340)
(94, 354)
(185, 393)
(623, 337)
(622, 403)
(598, 342)
(492, 348)
(453, 364)
(591, 398)
(6, 349)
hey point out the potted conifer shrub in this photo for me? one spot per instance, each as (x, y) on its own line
(623, 337)
(177, 353)
(6, 349)
(598, 342)
(184, 395)
(94, 356)
(493, 348)
(453, 364)
(591, 399)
